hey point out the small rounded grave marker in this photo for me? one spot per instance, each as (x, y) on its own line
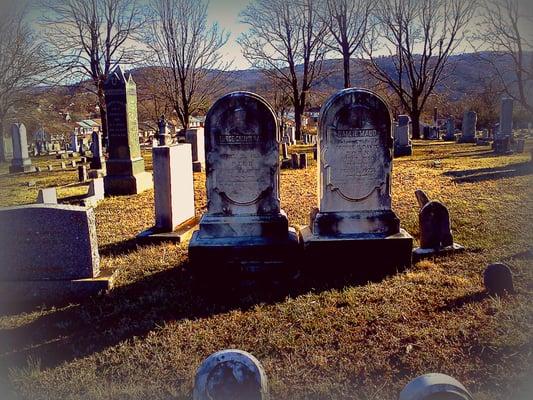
(435, 386)
(498, 279)
(230, 374)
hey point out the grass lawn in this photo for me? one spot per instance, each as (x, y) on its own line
(316, 340)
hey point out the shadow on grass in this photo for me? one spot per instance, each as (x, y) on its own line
(136, 309)
(485, 174)
(459, 302)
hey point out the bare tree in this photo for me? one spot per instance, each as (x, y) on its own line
(348, 22)
(24, 63)
(188, 50)
(91, 37)
(506, 32)
(286, 41)
(420, 36)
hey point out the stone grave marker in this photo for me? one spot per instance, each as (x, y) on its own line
(244, 225)
(98, 158)
(402, 137)
(6, 148)
(163, 136)
(435, 228)
(196, 138)
(74, 145)
(302, 160)
(21, 161)
(47, 196)
(295, 161)
(284, 151)
(173, 193)
(82, 173)
(503, 139)
(125, 166)
(230, 374)
(450, 129)
(49, 251)
(468, 134)
(435, 386)
(498, 279)
(354, 196)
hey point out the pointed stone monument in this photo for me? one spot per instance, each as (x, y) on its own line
(354, 221)
(125, 166)
(21, 160)
(97, 160)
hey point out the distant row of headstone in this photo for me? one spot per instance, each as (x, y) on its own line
(238, 375)
(502, 139)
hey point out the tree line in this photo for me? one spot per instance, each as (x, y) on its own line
(289, 41)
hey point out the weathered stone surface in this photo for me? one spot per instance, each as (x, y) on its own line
(284, 151)
(173, 186)
(355, 164)
(402, 137)
(47, 196)
(435, 386)
(95, 192)
(230, 375)
(48, 242)
(468, 134)
(6, 148)
(506, 117)
(125, 166)
(519, 143)
(242, 182)
(82, 173)
(163, 136)
(21, 160)
(435, 228)
(303, 160)
(295, 161)
(498, 279)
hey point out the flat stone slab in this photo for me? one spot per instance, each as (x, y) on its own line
(180, 235)
(420, 253)
(367, 256)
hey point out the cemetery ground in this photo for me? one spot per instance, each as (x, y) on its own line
(334, 338)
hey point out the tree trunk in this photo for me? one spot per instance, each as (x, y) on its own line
(103, 112)
(415, 124)
(298, 123)
(2, 149)
(346, 67)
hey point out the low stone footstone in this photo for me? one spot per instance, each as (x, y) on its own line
(31, 183)
(244, 229)
(63, 165)
(173, 194)
(73, 164)
(498, 279)
(39, 169)
(295, 160)
(50, 167)
(60, 261)
(82, 173)
(435, 386)
(47, 196)
(435, 228)
(354, 215)
(468, 134)
(125, 173)
(196, 138)
(303, 160)
(21, 161)
(95, 193)
(230, 375)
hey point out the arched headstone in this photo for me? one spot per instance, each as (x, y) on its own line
(435, 386)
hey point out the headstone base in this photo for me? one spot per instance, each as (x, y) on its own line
(52, 291)
(365, 257)
(466, 139)
(246, 244)
(196, 166)
(403, 151)
(181, 234)
(502, 145)
(21, 168)
(125, 185)
(448, 138)
(420, 253)
(482, 142)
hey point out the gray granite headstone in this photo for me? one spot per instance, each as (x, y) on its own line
(402, 136)
(506, 117)
(196, 138)
(468, 134)
(230, 375)
(450, 129)
(97, 159)
(242, 182)
(354, 196)
(21, 160)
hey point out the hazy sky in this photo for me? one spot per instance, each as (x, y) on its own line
(226, 13)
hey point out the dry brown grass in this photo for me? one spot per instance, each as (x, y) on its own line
(316, 340)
